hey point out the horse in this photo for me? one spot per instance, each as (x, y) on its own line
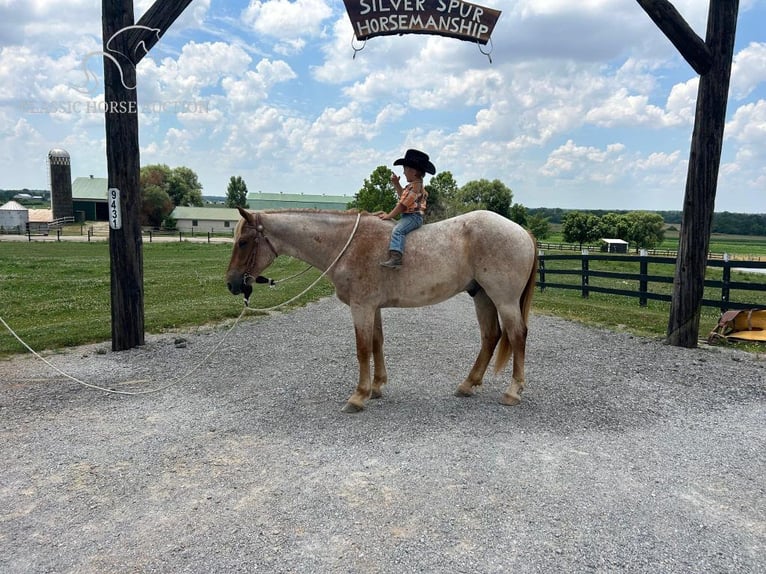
(481, 252)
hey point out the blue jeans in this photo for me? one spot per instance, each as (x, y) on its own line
(408, 222)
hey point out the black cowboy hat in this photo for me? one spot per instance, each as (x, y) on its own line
(418, 160)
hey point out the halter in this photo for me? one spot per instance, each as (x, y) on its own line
(259, 234)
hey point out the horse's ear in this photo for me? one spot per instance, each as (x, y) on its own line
(247, 215)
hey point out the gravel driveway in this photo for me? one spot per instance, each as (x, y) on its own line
(626, 455)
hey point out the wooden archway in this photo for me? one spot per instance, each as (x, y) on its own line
(710, 58)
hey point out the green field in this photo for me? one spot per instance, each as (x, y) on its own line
(56, 295)
(625, 313)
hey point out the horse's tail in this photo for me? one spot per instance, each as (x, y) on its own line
(505, 348)
(529, 290)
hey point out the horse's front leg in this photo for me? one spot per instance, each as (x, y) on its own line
(380, 376)
(364, 327)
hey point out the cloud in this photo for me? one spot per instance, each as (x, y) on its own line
(571, 160)
(748, 70)
(745, 134)
(254, 85)
(286, 20)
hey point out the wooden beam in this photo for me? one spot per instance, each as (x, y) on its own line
(154, 23)
(692, 47)
(123, 166)
(702, 177)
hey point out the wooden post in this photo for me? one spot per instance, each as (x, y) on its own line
(123, 166)
(725, 283)
(126, 46)
(702, 177)
(643, 279)
(712, 60)
(585, 279)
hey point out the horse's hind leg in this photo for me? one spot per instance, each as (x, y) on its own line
(486, 313)
(380, 376)
(515, 332)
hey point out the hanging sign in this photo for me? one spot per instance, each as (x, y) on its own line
(115, 210)
(452, 18)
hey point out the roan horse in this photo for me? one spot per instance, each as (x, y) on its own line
(481, 252)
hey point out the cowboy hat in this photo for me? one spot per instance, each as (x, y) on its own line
(418, 160)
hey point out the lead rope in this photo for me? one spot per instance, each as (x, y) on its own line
(210, 354)
(113, 391)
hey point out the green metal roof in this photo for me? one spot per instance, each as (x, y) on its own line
(90, 188)
(207, 213)
(258, 200)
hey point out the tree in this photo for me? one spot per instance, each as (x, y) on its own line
(155, 205)
(157, 174)
(539, 226)
(645, 229)
(613, 226)
(442, 193)
(377, 193)
(180, 185)
(519, 214)
(236, 193)
(184, 187)
(579, 227)
(484, 194)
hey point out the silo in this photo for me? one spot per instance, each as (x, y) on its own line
(61, 183)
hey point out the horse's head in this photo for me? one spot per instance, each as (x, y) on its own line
(252, 253)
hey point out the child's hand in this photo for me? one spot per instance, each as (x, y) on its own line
(394, 179)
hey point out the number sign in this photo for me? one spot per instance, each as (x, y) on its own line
(115, 209)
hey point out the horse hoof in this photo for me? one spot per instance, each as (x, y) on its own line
(461, 393)
(510, 400)
(376, 394)
(352, 408)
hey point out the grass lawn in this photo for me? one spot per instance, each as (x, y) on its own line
(741, 245)
(56, 295)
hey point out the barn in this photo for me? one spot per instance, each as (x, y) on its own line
(223, 220)
(205, 219)
(259, 200)
(89, 199)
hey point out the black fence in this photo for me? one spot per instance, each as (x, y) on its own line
(643, 280)
(660, 252)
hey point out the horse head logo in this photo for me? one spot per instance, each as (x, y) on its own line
(112, 54)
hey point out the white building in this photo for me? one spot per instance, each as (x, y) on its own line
(13, 218)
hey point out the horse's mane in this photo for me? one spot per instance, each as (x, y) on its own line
(309, 210)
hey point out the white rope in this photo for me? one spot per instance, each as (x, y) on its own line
(112, 391)
(217, 346)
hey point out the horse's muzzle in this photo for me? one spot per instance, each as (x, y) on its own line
(237, 286)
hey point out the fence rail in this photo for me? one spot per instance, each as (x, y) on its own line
(643, 279)
(659, 252)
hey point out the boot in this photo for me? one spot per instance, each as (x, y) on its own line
(394, 260)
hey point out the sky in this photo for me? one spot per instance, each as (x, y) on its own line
(580, 105)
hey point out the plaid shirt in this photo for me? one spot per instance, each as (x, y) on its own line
(413, 198)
